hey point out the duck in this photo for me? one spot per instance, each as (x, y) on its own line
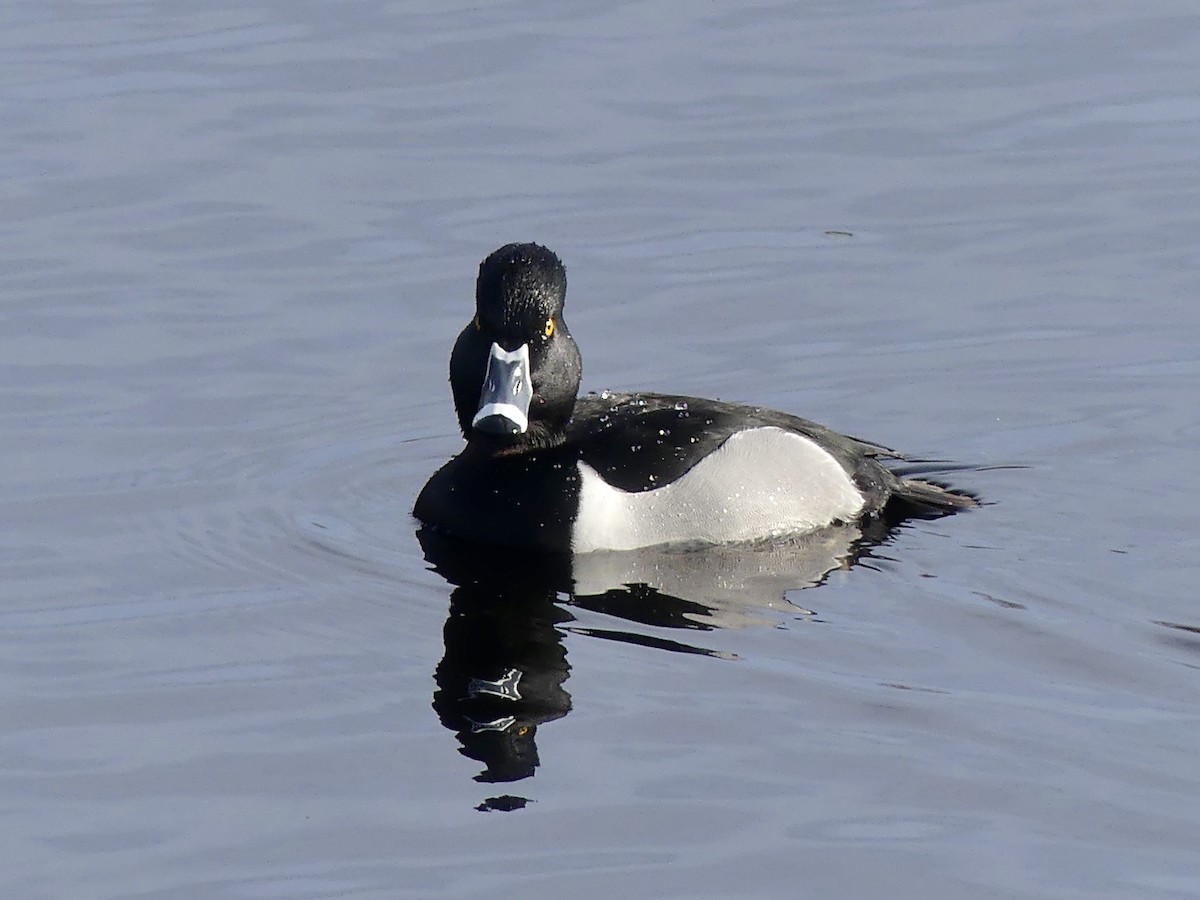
(546, 469)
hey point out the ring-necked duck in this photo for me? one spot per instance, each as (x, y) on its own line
(546, 469)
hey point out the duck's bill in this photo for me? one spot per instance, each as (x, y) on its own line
(507, 393)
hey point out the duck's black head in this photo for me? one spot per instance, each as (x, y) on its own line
(515, 369)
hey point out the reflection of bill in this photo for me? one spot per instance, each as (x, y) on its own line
(505, 664)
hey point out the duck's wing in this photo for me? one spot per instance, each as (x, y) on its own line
(639, 442)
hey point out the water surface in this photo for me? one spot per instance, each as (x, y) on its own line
(239, 240)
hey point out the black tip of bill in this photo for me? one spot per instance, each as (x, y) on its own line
(506, 394)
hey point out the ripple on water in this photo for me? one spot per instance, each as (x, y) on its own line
(183, 526)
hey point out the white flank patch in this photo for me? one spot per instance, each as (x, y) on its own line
(760, 483)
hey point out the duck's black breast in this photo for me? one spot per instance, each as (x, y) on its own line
(524, 499)
(639, 442)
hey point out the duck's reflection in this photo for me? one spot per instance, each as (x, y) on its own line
(503, 671)
(505, 664)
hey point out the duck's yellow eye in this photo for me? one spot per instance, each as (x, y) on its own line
(475, 321)
(548, 331)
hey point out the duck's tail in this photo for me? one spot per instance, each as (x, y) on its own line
(921, 498)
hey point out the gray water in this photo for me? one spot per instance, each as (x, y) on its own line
(238, 242)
